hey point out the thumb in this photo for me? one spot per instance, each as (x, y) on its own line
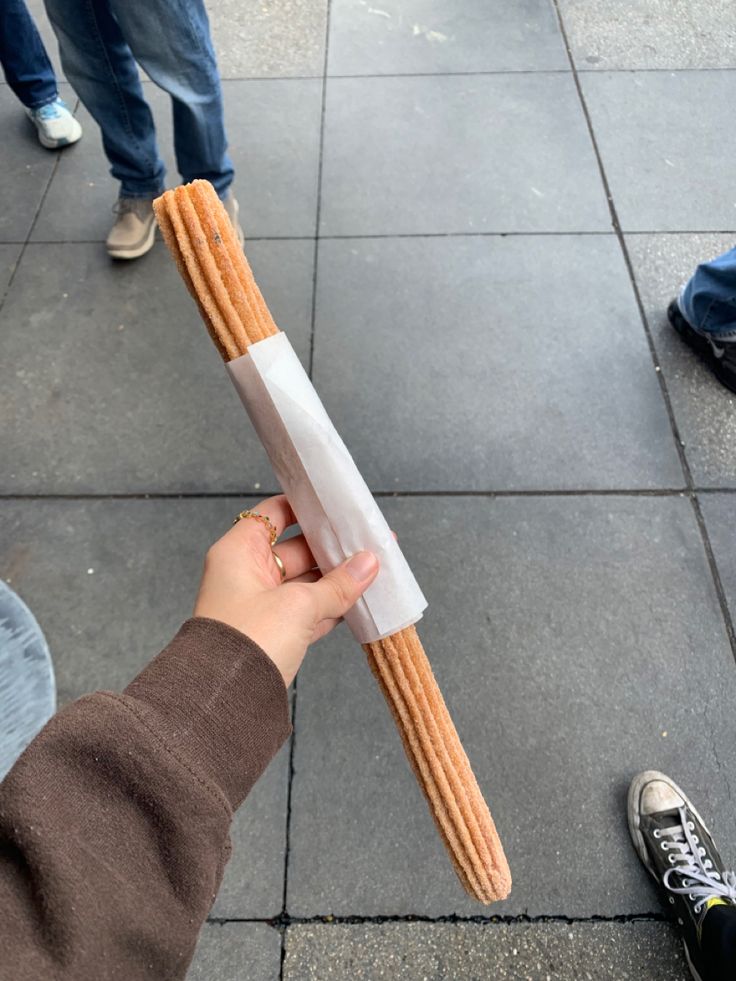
(340, 589)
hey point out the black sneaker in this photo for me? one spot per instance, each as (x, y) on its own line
(720, 357)
(674, 844)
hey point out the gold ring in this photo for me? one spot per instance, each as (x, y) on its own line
(265, 521)
(281, 567)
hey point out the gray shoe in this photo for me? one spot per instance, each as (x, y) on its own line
(134, 230)
(233, 209)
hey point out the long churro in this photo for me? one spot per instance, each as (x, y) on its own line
(198, 232)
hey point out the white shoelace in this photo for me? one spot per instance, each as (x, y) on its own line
(699, 881)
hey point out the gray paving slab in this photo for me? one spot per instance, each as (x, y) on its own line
(665, 176)
(110, 582)
(116, 386)
(563, 633)
(640, 951)
(273, 129)
(27, 167)
(9, 255)
(705, 411)
(478, 372)
(282, 38)
(650, 33)
(719, 510)
(237, 952)
(393, 37)
(252, 886)
(458, 154)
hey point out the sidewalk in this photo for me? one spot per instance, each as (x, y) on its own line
(430, 223)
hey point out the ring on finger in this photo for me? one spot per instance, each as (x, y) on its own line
(264, 520)
(279, 564)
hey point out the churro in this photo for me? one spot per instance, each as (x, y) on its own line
(198, 232)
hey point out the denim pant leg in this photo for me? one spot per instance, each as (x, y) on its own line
(25, 63)
(170, 39)
(708, 301)
(100, 66)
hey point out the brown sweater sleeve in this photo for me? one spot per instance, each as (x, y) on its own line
(114, 823)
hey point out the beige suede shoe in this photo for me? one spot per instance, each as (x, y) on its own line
(134, 230)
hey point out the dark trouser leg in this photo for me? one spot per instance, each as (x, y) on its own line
(170, 39)
(25, 63)
(100, 66)
(718, 943)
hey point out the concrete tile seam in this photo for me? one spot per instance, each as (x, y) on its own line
(19, 260)
(313, 316)
(505, 71)
(287, 841)
(399, 494)
(330, 237)
(625, 253)
(283, 922)
(717, 582)
(679, 442)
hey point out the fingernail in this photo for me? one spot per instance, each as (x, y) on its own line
(362, 566)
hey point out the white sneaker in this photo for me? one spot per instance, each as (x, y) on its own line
(55, 124)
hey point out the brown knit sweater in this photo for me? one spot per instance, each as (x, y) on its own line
(114, 822)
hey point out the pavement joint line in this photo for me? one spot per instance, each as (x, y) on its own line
(290, 783)
(480, 72)
(262, 493)
(284, 921)
(318, 209)
(675, 69)
(24, 244)
(287, 825)
(420, 235)
(679, 442)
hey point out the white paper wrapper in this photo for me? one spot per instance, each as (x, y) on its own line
(333, 505)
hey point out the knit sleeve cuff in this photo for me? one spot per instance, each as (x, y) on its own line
(216, 696)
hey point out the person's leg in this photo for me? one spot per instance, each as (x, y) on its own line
(171, 40)
(704, 315)
(718, 943)
(26, 65)
(708, 301)
(100, 67)
(677, 849)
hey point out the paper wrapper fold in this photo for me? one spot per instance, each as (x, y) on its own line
(334, 507)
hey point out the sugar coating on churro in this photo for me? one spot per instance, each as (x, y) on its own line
(199, 234)
(197, 230)
(441, 764)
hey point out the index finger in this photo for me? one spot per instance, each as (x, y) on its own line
(276, 509)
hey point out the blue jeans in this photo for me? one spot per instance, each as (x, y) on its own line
(100, 42)
(708, 301)
(26, 65)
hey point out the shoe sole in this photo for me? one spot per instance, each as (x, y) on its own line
(136, 251)
(58, 144)
(700, 345)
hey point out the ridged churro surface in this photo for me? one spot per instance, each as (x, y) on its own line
(198, 232)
